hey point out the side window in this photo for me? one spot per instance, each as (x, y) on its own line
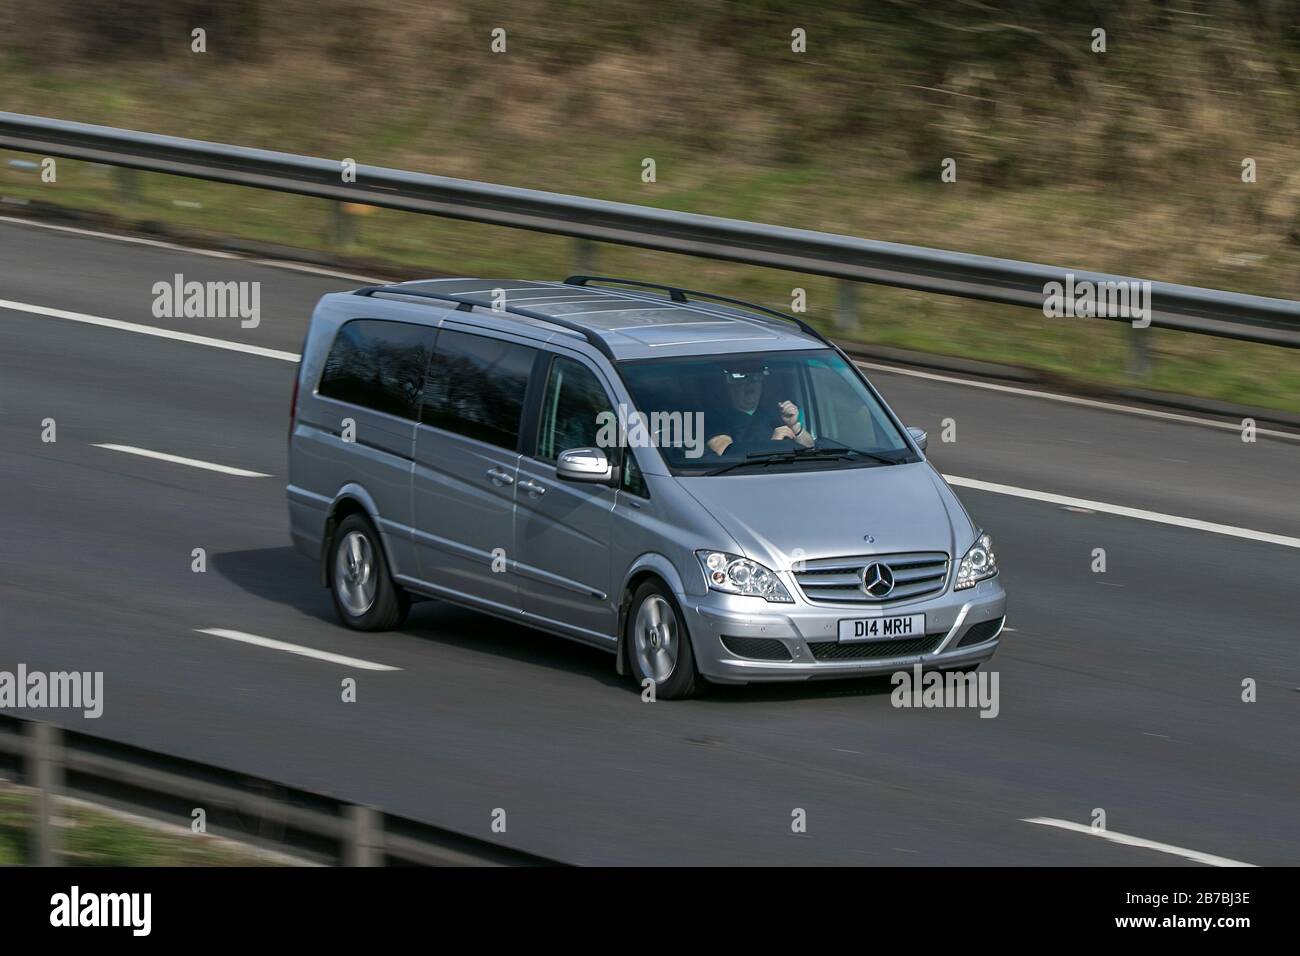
(378, 365)
(475, 387)
(841, 413)
(633, 482)
(571, 407)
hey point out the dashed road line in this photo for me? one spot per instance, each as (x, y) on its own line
(178, 460)
(1124, 511)
(298, 649)
(1123, 838)
(172, 334)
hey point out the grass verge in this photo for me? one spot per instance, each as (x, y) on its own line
(96, 837)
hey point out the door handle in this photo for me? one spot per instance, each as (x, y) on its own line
(500, 477)
(533, 488)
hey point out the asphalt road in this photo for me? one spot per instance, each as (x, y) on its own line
(1119, 691)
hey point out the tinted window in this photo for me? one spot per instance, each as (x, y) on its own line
(571, 410)
(633, 482)
(475, 387)
(744, 409)
(377, 365)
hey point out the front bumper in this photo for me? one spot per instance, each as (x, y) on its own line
(727, 632)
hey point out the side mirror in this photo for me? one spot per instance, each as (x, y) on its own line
(919, 436)
(584, 464)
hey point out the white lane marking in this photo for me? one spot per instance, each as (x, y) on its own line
(1075, 400)
(964, 482)
(178, 460)
(294, 649)
(193, 250)
(1125, 512)
(317, 270)
(135, 240)
(897, 370)
(148, 330)
(1194, 855)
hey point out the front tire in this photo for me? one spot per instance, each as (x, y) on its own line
(658, 646)
(365, 596)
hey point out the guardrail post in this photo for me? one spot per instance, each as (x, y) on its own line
(1139, 355)
(343, 228)
(584, 257)
(364, 844)
(45, 774)
(128, 183)
(846, 305)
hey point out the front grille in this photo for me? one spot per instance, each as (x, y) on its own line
(874, 650)
(757, 648)
(839, 580)
(979, 633)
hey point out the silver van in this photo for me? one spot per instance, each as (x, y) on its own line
(706, 488)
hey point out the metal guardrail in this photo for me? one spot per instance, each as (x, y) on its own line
(57, 763)
(1187, 308)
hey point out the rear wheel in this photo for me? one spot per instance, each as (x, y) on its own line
(364, 593)
(658, 646)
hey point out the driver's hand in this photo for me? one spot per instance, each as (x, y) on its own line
(782, 432)
(791, 429)
(718, 444)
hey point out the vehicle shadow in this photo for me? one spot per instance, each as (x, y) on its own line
(461, 627)
(877, 686)
(279, 575)
(283, 576)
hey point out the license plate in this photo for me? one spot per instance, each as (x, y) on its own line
(882, 628)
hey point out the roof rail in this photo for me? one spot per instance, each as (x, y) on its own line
(685, 295)
(466, 303)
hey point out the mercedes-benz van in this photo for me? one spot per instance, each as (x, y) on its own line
(708, 489)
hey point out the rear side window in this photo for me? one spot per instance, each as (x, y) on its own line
(476, 385)
(377, 365)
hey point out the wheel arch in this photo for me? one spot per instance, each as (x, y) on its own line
(351, 499)
(646, 567)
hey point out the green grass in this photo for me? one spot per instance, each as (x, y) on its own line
(1131, 168)
(1080, 352)
(94, 837)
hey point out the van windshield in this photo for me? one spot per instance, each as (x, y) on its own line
(716, 414)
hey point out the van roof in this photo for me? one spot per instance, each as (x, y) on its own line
(628, 320)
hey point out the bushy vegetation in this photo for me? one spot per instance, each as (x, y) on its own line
(1127, 161)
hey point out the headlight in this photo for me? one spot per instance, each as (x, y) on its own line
(978, 564)
(737, 575)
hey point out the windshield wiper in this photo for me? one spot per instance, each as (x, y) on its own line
(855, 452)
(763, 459)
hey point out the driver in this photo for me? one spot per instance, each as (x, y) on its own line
(742, 420)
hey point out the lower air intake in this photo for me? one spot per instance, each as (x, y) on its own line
(979, 633)
(757, 648)
(873, 650)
